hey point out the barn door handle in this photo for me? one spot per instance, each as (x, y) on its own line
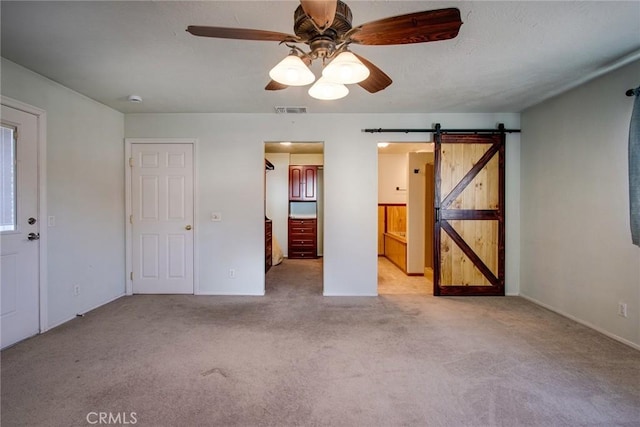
(437, 214)
(33, 236)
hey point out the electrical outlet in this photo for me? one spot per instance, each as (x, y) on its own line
(232, 273)
(76, 290)
(622, 309)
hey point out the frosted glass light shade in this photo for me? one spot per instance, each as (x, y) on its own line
(291, 71)
(346, 69)
(327, 90)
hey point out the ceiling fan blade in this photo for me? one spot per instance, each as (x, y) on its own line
(322, 12)
(377, 79)
(420, 27)
(274, 85)
(242, 34)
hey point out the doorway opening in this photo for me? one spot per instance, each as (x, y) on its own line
(294, 216)
(405, 218)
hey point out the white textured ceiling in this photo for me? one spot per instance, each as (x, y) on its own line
(507, 56)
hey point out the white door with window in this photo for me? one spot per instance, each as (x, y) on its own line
(162, 197)
(19, 227)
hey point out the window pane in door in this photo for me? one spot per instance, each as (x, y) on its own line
(7, 179)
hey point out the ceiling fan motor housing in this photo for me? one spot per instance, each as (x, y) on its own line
(323, 44)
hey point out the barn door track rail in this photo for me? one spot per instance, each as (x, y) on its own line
(438, 129)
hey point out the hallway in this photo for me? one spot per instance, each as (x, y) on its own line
(392, 281)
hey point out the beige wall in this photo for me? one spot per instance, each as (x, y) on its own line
(415, 211)
(85, 193)
(576, 251)
(231, 171)
(392, 174)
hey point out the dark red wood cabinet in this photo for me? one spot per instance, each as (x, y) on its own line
(268, 250)
(303, 238)
(303, 224)
(303, 185)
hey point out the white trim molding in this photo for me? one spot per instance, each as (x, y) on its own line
(41, 116)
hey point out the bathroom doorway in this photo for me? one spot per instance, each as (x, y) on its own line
(294, 216)
(405, 218)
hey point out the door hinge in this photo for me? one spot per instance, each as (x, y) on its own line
(131, 275)
(130, 219)
(131, 162)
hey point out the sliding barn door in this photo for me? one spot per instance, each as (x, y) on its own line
(469, 210)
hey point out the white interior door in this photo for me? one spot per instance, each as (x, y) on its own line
(162, 218)
(19, 227)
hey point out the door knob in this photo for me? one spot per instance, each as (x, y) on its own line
(188, 227)
(33, 236)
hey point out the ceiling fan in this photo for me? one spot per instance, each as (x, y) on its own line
(325, 27)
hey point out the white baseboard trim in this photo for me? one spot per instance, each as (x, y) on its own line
(348, 295)
(229, 294)
(86, 311)
(582, 322)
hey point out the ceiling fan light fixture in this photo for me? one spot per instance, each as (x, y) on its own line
(292, 71)
(328, 90)
(346, 69)
(325, 26)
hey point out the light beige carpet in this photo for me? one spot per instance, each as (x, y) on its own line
(295, 358)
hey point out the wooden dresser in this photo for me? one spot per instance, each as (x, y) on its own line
(303, 239)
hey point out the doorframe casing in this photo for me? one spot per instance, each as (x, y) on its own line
(41, 119)
(128, 142)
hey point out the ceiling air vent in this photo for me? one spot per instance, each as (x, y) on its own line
(291, 110)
